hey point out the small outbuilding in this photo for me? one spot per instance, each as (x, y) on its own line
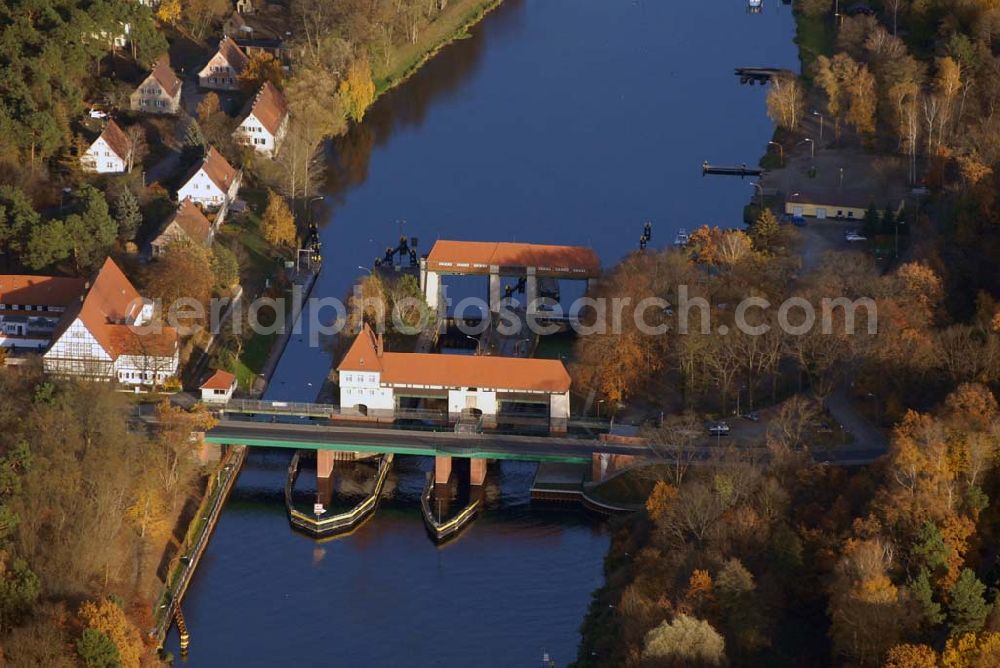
(219, 387)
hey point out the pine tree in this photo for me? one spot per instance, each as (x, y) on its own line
(127, 215)
(193, 136)
(968, 609)
(765, 231)
(923, 595)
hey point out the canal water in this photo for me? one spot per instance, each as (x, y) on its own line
(556, 121)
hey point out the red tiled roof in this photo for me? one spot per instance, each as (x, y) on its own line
(190, 219)
(164, 75)
(456, 371)
(116, 138)
(233, 54)
(477, 256)
(218, 170)
(220, 380)
(268, 107)
(39, 290)
(110, 303)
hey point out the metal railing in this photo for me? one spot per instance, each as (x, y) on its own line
(442, 531)
(177, 582)
(429, 419)
(335, 524)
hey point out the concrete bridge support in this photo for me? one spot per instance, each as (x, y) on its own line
(324, 463)
(494, 288)
(442, 470)
(477, 472)
(531, 291)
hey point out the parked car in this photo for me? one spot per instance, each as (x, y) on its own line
(718, 429)
(854, 236)
(753, 416)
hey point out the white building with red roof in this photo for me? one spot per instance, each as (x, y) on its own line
(219, 387)
(187, 223)
(213, 183)
(107, 334)
(371, 378)
(223, 70)
(111, 153)
(264, 122)
(31, 308)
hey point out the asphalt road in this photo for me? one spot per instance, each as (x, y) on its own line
(493, 446)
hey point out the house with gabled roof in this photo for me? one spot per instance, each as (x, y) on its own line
(107, 334)
(160, 92)
(31, 308)
(212, 184)
(264, 122)
(111, 153)
(373, 379)
(223, 70)
(187, 223)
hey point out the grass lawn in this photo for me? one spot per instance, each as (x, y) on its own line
(451, 24)
(815, 36)
(255, 353)
(631, 487)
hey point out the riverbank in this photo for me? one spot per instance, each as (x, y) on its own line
(196, 540)
(453, 24)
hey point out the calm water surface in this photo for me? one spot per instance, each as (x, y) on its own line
(558, 121)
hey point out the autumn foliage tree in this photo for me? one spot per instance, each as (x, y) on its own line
(277, 223)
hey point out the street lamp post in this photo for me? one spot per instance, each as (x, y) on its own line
(781, 151)
(812, 147)
(365, 269)
(816, 113)
(599, 402)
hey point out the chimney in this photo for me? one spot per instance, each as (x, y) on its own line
(379, 345)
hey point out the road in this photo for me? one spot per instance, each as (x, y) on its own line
(366, 438)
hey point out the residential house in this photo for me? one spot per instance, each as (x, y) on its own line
(219, 388)
(110, 153)
(212, 184)
(222, 72)
(107, 334)
(160, 92)
(265, 122)
(31, 308)
(186, 223)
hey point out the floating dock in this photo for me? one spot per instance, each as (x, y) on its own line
(724, 170)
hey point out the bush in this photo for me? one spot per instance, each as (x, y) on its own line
(685, 641)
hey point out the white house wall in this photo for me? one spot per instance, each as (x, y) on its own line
(363, 388)
(101, 159)
(78, 353)
(202, 190)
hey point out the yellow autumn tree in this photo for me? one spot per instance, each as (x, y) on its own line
(169, 11)
(262, 66)
(972, 651)
(277, 224)
(108, 618)
(911, 656)
(660, 500)
(357, 90)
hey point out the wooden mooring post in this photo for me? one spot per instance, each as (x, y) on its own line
(182, 629)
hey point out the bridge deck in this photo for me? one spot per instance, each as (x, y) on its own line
(364, 438)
